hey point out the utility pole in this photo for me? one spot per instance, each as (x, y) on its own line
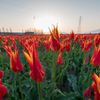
(79, 25)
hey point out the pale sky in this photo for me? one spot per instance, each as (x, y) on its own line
(41, 14)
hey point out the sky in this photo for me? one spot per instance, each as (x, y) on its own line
(40, 14)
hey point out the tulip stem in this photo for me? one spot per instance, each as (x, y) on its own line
(9, 95)
(90, 77)
(20, 86)
(2, 62)
(40, 91)
(59, 79)
(99, 69)
(54, 70)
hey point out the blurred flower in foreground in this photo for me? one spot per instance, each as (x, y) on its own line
(36, 70)
(1, 74)
(3, 89)
(96, 88)
(87, 92)
(55, 39)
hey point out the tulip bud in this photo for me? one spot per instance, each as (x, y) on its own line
(87, 92)
(87, 59)
(59, 59)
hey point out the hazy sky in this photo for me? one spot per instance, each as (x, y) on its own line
(25, 14)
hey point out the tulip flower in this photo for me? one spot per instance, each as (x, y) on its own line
(7, 43)
(68, 46)
(87, 59)
(87, 45)
(95, 60)
(62, 49)
(15, 63)
(36, 70)
(72, 35)
(96, 88)
(3, 90)
(97, 40)
(47, 45)
(8, 50)
(14, 45)
(76, 39)
(84, 37)
(1, 74)
(82, 45)
(0, 47)
(55, 39)
(80, 40)
(87, 92)
(59, 59)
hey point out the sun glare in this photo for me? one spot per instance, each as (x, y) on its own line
(45, 22)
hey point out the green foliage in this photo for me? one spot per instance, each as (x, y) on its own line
(71, 77)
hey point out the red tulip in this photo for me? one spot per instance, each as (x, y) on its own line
(36, 70)
(14, 45)
(1, 74)
(72, 35)
(76, 39)
(96, 86)
(87, 92)
(47, 45)
(3, 90)
(15, 63)
(55, 39)
(95, 60)
(87, 59)
(67, 46)
(97, 40)
(59, 59)
(82, 45)
(87, 45)
(8, 50)
(62, 49)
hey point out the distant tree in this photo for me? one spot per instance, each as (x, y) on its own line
(10, 30)
(6, 29)
(3, 29)
(22, 31)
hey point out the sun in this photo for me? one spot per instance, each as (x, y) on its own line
(45, 22)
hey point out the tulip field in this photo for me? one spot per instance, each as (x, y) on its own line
(50, 67)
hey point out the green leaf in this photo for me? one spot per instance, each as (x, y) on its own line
(57, 91)
(69, 96)
(25, 89)
(73, 83)
(26, 83)
(24, 75)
